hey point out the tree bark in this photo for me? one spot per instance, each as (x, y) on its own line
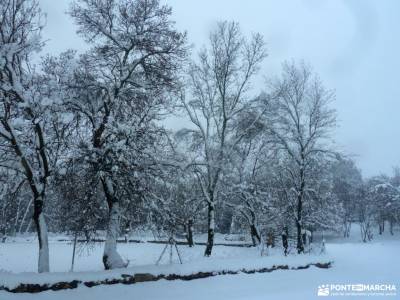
(347, 228)
(300, 245)
(24, 217)
(255, 236)
(73, 252)
(41, 229)
(391, 227)
(111, 257)
(38, 193)
(190, 233)
(285, 243)
(211, 228)
(381, 227)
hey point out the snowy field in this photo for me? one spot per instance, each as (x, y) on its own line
(354, 262)
(21, 255)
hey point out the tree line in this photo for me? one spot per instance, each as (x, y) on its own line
(84, 146)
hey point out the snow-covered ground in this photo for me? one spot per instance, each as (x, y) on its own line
(20, 254)
(374, 263)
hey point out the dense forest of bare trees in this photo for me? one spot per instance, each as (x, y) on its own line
(84, 149)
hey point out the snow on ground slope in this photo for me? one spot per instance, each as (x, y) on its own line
(20, 254)
(373, 263)
(354, 263)
(19, 265)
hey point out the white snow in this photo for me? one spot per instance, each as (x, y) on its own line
(354, 263)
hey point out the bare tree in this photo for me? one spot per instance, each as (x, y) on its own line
(23, 123)
(379, 205)
(347, 181)
(300, 121)
(248, 192)
(219, 91)
(121, 88)
(174, 202)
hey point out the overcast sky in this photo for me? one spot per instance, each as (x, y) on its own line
(353, 44)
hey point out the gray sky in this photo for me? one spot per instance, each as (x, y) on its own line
(353, 44)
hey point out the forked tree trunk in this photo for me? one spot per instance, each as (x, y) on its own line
(211, 228)
(366, 232)
(347, 228)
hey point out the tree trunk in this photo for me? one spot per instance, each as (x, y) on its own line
(111, 258)
(24, 217)
(211, 228)
(17, 217)
(87, 236)
(73, 251)
(391, 227)
(38, 194)
(381, 227)
(41, 229)
(366, 232)
(28, 227)
(300, 245)
(255, 236)
(347, 228)
(271, 239)
(285, 243)
(190, 233)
